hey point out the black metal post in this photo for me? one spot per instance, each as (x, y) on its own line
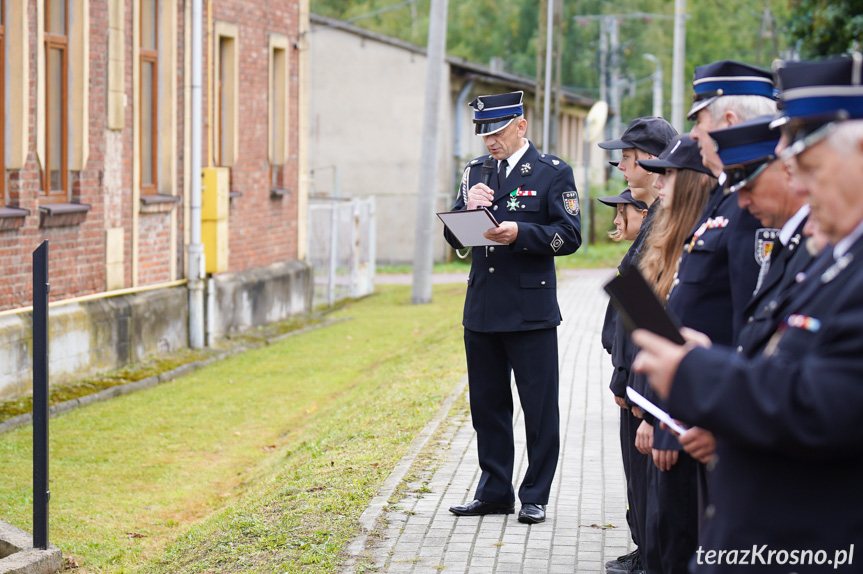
(41, 493)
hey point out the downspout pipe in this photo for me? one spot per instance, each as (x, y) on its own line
(196, 269)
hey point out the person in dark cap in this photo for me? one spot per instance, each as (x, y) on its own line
(643, 138)
(765, 187)
(788, 418)
(511, 311)
(630, 215)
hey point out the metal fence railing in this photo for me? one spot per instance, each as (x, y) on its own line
(341, 247)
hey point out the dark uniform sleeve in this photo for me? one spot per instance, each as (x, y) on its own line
(805, 400)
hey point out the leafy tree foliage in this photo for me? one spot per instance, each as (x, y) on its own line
(826, 27)
(752, 31)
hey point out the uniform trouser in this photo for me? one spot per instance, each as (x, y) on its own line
(671, 536)
(635, 469)
(491, 360)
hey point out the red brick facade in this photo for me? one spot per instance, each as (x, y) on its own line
(262, 230)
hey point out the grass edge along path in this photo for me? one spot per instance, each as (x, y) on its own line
(271, 456)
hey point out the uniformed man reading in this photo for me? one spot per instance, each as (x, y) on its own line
(511, 311)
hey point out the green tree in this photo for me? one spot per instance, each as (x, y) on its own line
(826, 27)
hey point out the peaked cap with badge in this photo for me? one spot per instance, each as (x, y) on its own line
(493, 113)
(728, 78)
(511, 311)
(746, 149)
(816, 95)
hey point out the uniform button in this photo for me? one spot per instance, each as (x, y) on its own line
(495, 208)
(524, 248)
(772, 305)
(523, 206)
(700, 242)
(750, 319)
(491, 248)
(491, 269)
(542, 282)
(676, 282)
(709, 511)
(740, 349)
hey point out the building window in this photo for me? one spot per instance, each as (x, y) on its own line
(55, 173)
(225, 91)
(149, 54)
(3, 198)
(278, 110)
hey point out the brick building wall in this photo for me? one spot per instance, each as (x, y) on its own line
(263, 230)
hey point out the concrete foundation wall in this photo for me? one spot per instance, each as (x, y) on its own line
(95, 336)
(240, 301)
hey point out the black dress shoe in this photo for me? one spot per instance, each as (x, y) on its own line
(531, 513)
(479, 508)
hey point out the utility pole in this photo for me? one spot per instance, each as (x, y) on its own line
(423, 244)
(546, 106)
(657, 85)
(678, 64)
(614, 42)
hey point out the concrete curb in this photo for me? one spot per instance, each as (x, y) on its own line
(17, 555)
(369, 517)
(149, 382)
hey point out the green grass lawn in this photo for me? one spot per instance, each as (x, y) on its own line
(262, 462)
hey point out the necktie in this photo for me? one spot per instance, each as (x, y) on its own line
(501, 172)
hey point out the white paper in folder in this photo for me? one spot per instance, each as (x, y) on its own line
(469, 225)
(639, 400)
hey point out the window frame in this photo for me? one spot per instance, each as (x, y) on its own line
(56, 42)
(149, 56)
(278, 108)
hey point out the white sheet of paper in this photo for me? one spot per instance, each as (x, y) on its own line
(469, 225)
(639, 400)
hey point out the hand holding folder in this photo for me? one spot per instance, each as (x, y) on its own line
(468, 226)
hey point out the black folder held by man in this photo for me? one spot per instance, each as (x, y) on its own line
(639, 307)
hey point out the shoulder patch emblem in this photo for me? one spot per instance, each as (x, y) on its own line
(526, 169)
(764, 240)
(570, 202)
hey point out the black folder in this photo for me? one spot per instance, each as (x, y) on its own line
(638, 306)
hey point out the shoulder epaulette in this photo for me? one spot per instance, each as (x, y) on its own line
(551, 160)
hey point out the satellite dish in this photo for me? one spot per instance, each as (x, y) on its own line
(596, 118)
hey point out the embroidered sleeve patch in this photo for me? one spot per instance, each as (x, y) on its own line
(556, 243)
(570, 202)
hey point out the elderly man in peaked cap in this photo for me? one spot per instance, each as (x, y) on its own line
(764, 186)
(788, 418)
(511, 311)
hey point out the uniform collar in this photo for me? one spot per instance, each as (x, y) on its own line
(843, 246)
(792, 224)
(513, 160)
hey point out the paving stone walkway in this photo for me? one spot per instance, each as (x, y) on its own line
(410, 528)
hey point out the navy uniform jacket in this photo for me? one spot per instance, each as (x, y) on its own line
(514, 287)
(716, 279)
(623, 350)
(789, 438)
(761, 312)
